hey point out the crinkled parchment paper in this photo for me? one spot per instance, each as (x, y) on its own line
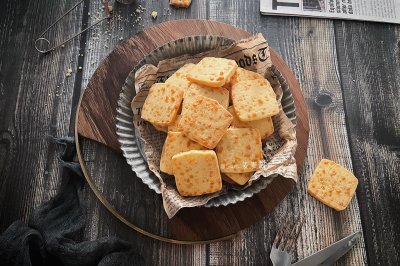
(252, 54)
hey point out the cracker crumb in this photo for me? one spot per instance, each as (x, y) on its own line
(68, 72)
(80, 68)
(154, 14)
(110, 8)
(180, 3)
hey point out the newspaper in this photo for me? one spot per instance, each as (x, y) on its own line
(367, 10)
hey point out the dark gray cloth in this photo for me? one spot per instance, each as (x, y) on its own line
(53, 231)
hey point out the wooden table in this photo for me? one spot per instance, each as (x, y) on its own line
(350, 76)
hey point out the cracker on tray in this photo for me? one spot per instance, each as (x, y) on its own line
(254, 100)
(212, 71)
(219, 94)
(178, 79)
(174, 125)
(175, 143)
(204, 120)
(240, 150)
(162, 104)
(264, 126)
(242, 74)
(240, 178)
(196, 172)
(161, 128)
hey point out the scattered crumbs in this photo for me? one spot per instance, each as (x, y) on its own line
(120, 38)
(88, 13)
(80, 68)
(62, 46)
(68, 73)
(106, 46)
(154, 14)
(110, 8)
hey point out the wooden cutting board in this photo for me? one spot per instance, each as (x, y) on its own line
(96, 114)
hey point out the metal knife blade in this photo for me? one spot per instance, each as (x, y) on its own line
(329, 255)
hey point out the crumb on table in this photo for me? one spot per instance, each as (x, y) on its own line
(180, 3)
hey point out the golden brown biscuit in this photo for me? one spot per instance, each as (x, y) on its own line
(180, 3)
(240, 150)
(161, 128)
(212, 71)
(175, 143)
(242, 74)
(332, 184)
(204, 120)
(174, 126)
(162, 104)
(220, 94)
(196, 173)
(264, 126)
(254, 100)
(178, 79)
(240, 178)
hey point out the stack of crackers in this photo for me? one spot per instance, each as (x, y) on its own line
(216, 115)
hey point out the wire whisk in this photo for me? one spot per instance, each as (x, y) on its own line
(40, 40)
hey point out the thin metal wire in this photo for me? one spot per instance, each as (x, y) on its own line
(42, 39)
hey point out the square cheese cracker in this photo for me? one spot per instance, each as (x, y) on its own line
(174, 125)
(204, 120)
(162, 104)
(175, 143)
(219, 94)
(240, 178)
(161, 128)
(196, 173)
(264, 126)
(212, 71)
(242, 74)
(180, 3)
(178, 79)
(332, 184)
(240, 150)
(254, 100)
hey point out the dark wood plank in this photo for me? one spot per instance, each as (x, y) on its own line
(369, 67)
(35, 102)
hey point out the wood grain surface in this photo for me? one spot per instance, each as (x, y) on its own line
(358, 61)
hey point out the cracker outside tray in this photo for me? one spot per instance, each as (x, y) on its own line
(278, 149)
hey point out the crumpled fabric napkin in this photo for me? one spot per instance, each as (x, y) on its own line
(51, 236)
